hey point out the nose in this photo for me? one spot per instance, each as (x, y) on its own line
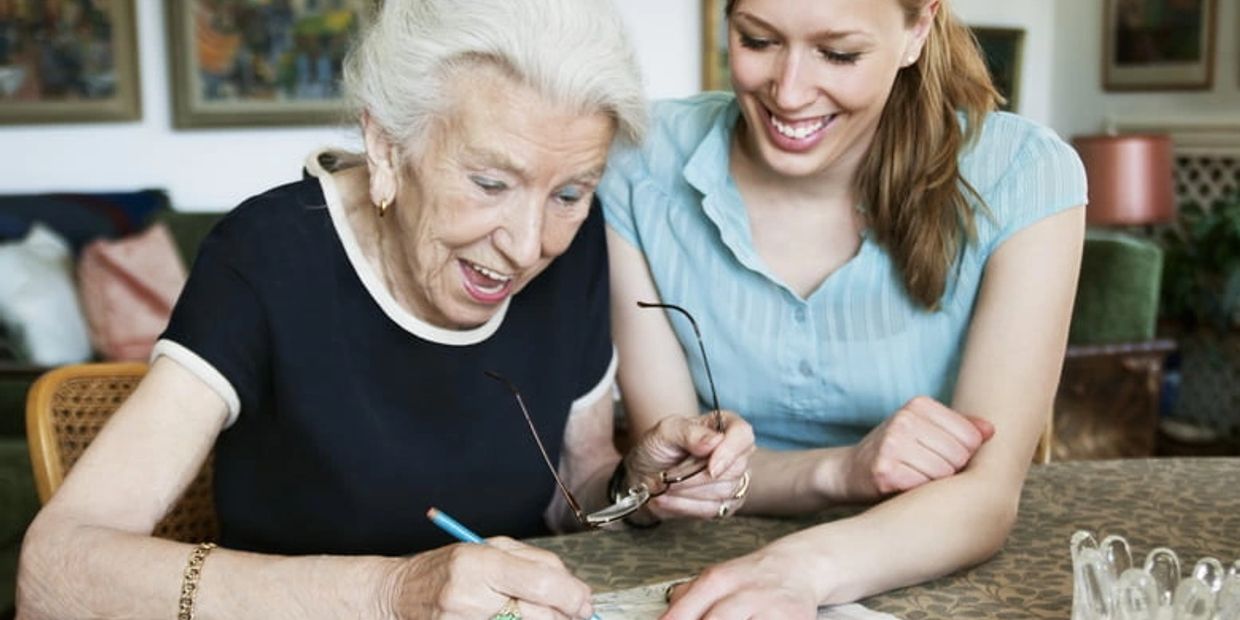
(791, 88)
(519, 238)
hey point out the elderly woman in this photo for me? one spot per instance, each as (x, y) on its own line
(332, 341)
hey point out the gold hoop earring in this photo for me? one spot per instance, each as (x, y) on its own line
(383, 206)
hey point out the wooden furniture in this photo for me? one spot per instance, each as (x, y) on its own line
(66, 409)
(1189, 505)
(1108, 400)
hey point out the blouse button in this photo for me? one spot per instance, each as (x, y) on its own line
(806, 369)
(800, 315)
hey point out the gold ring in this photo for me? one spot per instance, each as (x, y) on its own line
(510, 611)
(723, 510)
(743, 488)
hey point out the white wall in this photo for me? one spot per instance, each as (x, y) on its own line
(214, 169)
(1083, 107)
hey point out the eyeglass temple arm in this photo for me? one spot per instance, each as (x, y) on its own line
(568, 495)
(714, 395)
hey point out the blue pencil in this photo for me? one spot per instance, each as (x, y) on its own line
(460, 532)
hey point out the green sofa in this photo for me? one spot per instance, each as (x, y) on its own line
(18, 500)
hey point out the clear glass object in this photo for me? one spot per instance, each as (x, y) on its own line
(1108, 585)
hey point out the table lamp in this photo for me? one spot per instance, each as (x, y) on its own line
(1131, 185)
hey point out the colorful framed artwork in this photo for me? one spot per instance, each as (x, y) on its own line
(260, 62)
(68, 62)
(1159, 44)
(715, 74)
(1003, 49)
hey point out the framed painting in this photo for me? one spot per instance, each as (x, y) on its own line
(715, 75)
(68, 62)
(260, 62)
(1003, 49)
(1158, 44)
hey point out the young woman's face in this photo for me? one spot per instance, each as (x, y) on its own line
(812, 77)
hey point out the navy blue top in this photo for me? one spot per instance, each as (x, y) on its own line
(348, 416)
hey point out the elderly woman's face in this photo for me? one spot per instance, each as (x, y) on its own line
(499, 190)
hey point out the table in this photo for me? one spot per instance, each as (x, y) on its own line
(1191, 505)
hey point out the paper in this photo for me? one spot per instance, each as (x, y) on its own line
(646, 603)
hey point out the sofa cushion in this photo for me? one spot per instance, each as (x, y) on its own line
(39, 301)
(81, 217)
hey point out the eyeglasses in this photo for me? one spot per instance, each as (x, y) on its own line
(637, 496)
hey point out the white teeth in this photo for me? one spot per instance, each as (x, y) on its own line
(490, 274)
(797, 133)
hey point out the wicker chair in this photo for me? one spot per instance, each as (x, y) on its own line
(68, 406)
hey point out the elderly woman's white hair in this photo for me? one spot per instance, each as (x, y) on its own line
(573, 52)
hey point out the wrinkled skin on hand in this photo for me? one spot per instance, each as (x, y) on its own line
(469, 581)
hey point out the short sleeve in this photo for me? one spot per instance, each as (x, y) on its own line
(615, 192)
(1045, 178)
(598, 355)
(218, 330)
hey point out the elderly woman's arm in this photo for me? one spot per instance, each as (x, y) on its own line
(1008, 375)
(89, 552)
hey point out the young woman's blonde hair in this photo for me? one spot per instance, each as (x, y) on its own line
(917, 203)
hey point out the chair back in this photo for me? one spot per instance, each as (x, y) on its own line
(65, 410)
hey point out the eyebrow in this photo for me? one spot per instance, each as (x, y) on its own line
(822, 35)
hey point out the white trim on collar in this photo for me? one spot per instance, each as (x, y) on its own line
(374, 285)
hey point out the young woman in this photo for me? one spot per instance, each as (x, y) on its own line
(882, 268)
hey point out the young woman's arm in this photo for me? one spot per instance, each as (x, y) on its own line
(1008, 377)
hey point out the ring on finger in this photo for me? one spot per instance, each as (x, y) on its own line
(724, 509)
(510, 611)
(743, 487)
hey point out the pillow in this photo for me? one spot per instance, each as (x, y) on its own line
(128, 288)
(38, 301)
(80, 218)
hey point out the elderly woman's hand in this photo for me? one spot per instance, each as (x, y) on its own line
(925, 440)
(480, 581)
(719, 490)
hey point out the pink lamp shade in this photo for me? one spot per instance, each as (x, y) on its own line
(1130, 179)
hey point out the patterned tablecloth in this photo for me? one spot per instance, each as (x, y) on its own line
(1190, 505)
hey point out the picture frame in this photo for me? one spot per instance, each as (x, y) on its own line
(715, 72)
(1159, 44)
(74, 63)
(1003, 49)
(254, 63)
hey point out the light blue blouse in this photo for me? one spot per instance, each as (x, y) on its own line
(821, 371)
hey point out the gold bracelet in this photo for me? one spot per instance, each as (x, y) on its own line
(189, 581)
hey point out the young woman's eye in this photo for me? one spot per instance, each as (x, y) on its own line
(754, 43)
(488, 185)
(570, 195)
(843, 58)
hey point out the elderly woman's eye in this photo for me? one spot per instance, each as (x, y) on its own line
(569, 195)
(489, 185)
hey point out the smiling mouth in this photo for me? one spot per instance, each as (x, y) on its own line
(484, 284)
(800, 130)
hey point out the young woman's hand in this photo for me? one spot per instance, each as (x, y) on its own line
(476, 581)
(925, 440)
(772, 582)
(682, 444)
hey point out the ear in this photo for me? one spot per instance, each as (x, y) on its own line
(920, 32)
(381, 161)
